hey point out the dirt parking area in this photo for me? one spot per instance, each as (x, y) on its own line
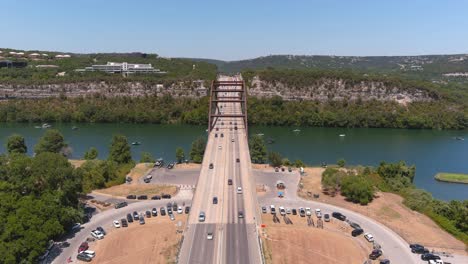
(388, 209)
(157, 241)
(188, 166)
(301, 243)
(125, 189)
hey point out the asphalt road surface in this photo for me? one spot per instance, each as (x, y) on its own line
(235, 238)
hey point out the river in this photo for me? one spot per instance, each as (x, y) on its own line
(431, 151)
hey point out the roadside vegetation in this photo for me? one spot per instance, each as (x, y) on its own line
(359, 185)
(452, 177)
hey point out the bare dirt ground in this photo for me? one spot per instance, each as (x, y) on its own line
(76, 163)
(154, 242)
(183, 166)
(388, 209)
(125, 189)
(299, 243)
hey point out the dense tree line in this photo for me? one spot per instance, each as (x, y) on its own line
(359, 184)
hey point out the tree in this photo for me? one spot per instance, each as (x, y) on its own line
(341, 163)
(120, 150)
(180, 155)
(198, 150)
(275, 159)
(357, 189)
(298, 163)
(15, 144)
(51, 141)
(258, 150)
(146, 157)
(91, 154)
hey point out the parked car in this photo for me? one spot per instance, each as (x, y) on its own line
(100, 229)
(302, 212)
(120, 205)
(171, 216)
(116, 223)
(318, 213)
(174, 206)
(384, 261)
(264, 209)
(146, 180)
(215, 200)
(166, 196)
(142, 197)
(156, 197)
(154, 212)
(169, 210)
(272, 209)
(83, 246)
(354, 225)
(142, 220)
(429, 256)
(97, 234)
(375, 254)
(187, 209)
(179, 210)
(282, 211)
(369, 237)
(241, 214)
(148, 214)
(288, 211)
(211, 166)
(131, 196)
(415, 245)
(326, 217)
(357, 232)
(130, 218)
(420, 250)
(209, 236)
(162, 210)
(201, 217)
(308, 212)
(229, 181)
(135, 215)
(83, 257)
(124, 222)
(222, 135)
(339, 216)
(90, 253)
(289, 169)
(294, 211)
(216, 135)
(76, 227)
(276, 169)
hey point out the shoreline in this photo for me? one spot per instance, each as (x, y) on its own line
(445, 177)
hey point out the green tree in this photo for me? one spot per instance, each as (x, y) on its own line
(198, 150)
(275, 159)
(341, 163)
(91, 154)
(15, 144)
(298, 163)
(357, 189)
(146, 157)
(258, 150)
(180, 155)
(51, 141)
(120, 150)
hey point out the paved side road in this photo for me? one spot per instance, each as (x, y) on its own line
(104, 219)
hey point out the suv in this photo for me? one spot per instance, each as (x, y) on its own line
(229, 181)
(272, 209)
(120, 205)
(429, 256)
(419, 250)
(142, 197)
(124, 222)
(357, 232)
(131, 196)
(156, 197)
(339, 216)
(215, 200)
(129, 218)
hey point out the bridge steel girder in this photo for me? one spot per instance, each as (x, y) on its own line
(214, 111)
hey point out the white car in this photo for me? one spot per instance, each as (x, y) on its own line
(282, 211)
(209, 236)
(272, 209)
(288, 211)
(179, 210)
(369, 237)
(239, 190)
(90, 253)
(232, 140)
(97, 234)
(318, 212)
(219, 147)
(116, 224)
(149, 176)
(308, 212)
(436, 261)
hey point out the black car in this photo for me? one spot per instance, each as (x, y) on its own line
(415, 245)
(241, 214)
(384, 261)
(222, 135)
(129, 218)
(131, 196)
(229, 181)
(354, 225)
(166, 196)
(375, 254)
(169, 210)
(187, 209)
(235, 128)
(100, 229)
(420, 250)
(148, 214)
(147, 180)
(142, 197)
(162, 210)
(339, 216)
(216, 135)
(120, 205)
(429, 256)
(294, 211)
(211, 165)
(135, 215)
(154, 212)
(156, 197)
(174, 206)
(237, 160)
(124, 222)
(215, 200)
(171, 165)
(357, 232)
(83, 257)
(217, 129)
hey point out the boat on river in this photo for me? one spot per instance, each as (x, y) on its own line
(136, 143)
(297, 130)
(74, 127)
(260, 134)
(459, 138)
(45, 125)
(342, 135)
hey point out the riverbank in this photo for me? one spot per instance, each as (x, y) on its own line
(452, 177)
(388, 209)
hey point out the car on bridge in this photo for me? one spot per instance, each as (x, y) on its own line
(211, 166)
(210, 236)
(239, 190)
(201, 217)
(241, 214)
(215, 200)
(229, 181)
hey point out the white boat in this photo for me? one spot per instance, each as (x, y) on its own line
(45, 125)
(260, 134)
(342, 135)
(37, 127)
(296, 130)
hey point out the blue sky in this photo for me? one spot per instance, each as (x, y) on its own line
(241, 29)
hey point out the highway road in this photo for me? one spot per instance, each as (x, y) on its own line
(235, 238)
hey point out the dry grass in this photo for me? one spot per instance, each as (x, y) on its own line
(388, 209)
(139, 170)
(150, 189)
(185, 166)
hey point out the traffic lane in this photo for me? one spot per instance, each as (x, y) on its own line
(394, 247)
(105, 219)
(202, 249)
(240, 246)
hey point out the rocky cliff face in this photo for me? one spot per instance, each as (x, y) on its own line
(134, 89)
(339, 89)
